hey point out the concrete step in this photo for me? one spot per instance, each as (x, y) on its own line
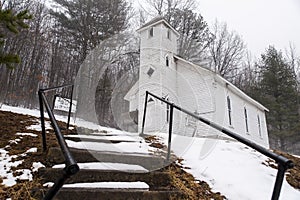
(115, 194)
(106, 140)
(147, 161)
(155, 180)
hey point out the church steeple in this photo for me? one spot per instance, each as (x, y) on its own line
(157, 67)
(158, 33)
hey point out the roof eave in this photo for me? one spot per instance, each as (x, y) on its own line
(158, 22)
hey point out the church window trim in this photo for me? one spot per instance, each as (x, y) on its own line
(229, 109)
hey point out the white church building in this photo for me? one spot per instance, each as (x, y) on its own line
(191, 87)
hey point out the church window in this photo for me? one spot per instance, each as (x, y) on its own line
(151, 32)
(246, 120)
(259, 125)
(167, 61)
(150, 71)
(229, 110)
(169, 34)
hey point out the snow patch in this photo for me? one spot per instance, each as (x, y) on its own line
(37, 127)
(107, 166)
(27, 134)
(36, 166)
(110, 185)
(5, 168)
(133, 147)
(32, 150)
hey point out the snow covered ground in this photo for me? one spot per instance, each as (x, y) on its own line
(227, 166)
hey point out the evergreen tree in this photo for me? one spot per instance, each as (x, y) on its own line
(11, 23)
(278, 85)
(195, 36)
(86, 23)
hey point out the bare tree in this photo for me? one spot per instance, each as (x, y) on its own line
(194, 33)
(226, 51)
(166, 7)
(293, 59)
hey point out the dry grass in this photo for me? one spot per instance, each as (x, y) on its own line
(10, 124)
(293, 175)
(23, 190)
(193, 190)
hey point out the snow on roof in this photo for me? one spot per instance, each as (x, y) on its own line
(155, 21)
(229, 85)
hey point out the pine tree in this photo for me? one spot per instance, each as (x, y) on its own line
(278, 89)
(11, 23)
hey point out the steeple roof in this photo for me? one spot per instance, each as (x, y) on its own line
(157, 20)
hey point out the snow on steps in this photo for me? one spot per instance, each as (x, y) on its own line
(154, 179)
(106, 173)
(149, 162)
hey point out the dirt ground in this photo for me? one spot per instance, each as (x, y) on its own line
(12, 123)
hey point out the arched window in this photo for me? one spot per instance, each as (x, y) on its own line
(246, 120)
(259, 126)
(167, 61)
(151, 32)
(229, 110)
(169, 34)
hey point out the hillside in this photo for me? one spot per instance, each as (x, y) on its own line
(227, 167)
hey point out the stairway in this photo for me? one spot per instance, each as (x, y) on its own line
(110, 174)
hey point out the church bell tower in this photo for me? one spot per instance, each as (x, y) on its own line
(157, 75)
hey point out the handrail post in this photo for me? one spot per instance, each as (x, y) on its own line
(144, 116)
(53, 103)
(70, 107)
(278, 182)
(44, 140)
(170, 131)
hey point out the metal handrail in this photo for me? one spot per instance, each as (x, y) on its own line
(71, 167)
(283, 162)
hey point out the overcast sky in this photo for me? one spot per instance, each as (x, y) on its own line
(260, 22)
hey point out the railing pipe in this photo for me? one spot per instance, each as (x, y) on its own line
(53, 102)
(283, 162)
(71, 165)
(170, 132)
(145, 110)
(70, 108)
(55, 88)
(56, 187)
(278, 182)
(44, 140)
(65, 150)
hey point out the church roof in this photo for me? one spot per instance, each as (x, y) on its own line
(229, 85)
(157, 20)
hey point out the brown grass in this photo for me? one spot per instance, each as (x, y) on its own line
(10, 124)
(293, 175)
(194, 190)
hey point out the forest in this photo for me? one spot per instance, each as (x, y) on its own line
(43, 46)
